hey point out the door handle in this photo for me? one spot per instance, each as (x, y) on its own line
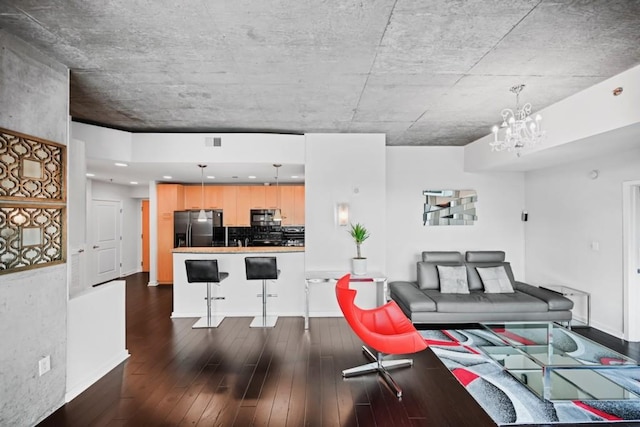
(95, 246)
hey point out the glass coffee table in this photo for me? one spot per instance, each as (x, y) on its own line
(558, 364)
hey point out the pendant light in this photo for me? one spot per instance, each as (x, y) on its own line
(277, 216)
(202, 216)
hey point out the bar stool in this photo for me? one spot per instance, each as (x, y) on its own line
(206, 271)
(262, 268)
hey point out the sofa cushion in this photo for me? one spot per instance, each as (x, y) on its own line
(427, 270)
(479, 302)
(485, 256)
(443, 257)
(453, 279)
(495, 280)
(475, 282)
(408, 296)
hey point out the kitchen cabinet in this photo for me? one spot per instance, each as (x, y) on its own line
(229, 194)
(213, 196)
(193, 197)
(271, 197)
(243, 205)
(298, 205)
(170, 198)
(286, 204)
(257, 197)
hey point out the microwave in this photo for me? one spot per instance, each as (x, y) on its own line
(263, 217)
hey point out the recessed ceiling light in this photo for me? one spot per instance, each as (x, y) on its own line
(251, 177)
(211, 177)
(133, 182)
(90, 174)
(122, 165)
(167, 176)
(294, 176)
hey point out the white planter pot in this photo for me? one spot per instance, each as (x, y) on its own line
(358, 266)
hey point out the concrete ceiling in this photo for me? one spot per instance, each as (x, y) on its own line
(422, 72)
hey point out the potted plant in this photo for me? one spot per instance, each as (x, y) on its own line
(359, 233)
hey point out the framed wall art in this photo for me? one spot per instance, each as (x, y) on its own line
(32, 202)
(449, 207)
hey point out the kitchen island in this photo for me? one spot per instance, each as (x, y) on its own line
(241, 295)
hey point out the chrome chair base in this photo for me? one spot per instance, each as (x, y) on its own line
(264, 322)
(205, 322)
(381, 367)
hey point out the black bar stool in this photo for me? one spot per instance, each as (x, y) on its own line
(262, 268)
(206, 271)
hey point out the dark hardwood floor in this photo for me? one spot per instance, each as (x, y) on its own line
(236, 375)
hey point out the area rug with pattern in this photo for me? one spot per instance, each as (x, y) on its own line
(508, 401)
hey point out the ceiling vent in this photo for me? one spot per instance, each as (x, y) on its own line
(212, 141)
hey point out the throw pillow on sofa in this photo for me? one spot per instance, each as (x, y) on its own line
(495, 280)
(453, 280)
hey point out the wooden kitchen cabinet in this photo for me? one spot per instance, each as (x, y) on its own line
(271, 197)
(257, 197)
(213, 197)
(286, 204)
(170, 198)
(229, 196)
(193, 197)
(298, 201)
(243, 205)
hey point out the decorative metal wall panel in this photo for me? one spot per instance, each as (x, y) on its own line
(32, 202)
(31, 169)
(31, 236)
(449, 207)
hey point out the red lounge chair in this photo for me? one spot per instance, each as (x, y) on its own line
(386, 329)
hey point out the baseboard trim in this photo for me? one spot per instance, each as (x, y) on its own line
(91, 378)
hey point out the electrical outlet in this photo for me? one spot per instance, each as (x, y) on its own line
(44, 365)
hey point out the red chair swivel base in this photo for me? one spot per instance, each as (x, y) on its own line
(386, 329)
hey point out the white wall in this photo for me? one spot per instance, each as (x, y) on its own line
(91, 355)
(568, 212)
(131, 222)
(410, 170)
(235, 148)
(344, 168)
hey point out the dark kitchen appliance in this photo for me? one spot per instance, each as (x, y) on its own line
(293, 236)
(239, 236)
(263, 218)
(189, 232)
(266, 235)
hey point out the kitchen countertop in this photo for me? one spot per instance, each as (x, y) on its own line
(238, 249)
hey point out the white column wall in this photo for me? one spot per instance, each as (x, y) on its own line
(343, 168)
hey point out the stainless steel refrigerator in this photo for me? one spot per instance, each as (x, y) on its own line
(190, 232)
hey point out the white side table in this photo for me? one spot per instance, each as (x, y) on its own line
(319, 277)
(572, 292)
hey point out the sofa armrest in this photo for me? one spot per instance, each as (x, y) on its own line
(554, 300)
(407, 294)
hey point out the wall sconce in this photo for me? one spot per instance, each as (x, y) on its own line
(342, 214)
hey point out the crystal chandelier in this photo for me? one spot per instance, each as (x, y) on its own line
(520, 130)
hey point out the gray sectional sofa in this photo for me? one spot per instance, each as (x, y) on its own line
(502, 299)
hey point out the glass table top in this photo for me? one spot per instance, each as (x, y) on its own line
(558, 364)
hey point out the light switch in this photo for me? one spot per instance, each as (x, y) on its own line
(595, 246)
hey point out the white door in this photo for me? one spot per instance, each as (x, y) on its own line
(105, 241)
